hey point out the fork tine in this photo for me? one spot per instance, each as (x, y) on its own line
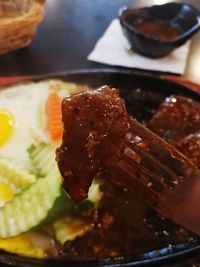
(161, 171)
(150, 179)
(163, 151)
(180, 203)
(134, 184)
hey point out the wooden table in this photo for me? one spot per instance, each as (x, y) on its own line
(69, 32)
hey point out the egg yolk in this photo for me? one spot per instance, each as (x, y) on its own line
(6, 192)
(6, 126)
(21, 245)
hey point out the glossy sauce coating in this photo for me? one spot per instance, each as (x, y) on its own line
(123, 225)
(190, 147)
(157, 30)
(95, 123)
(176, 117)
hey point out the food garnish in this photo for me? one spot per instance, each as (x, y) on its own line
(54, 116)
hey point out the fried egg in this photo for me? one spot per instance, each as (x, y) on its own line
(23, 117)
(24, 122)
(18, 119)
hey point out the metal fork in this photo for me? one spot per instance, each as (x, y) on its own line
(161, 176)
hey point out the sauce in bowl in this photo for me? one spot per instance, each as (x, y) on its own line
(157, 30)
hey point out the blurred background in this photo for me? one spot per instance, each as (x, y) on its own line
(69, 32)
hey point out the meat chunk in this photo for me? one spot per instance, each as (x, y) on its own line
(177, 117)
(190, 147)
(95, 123)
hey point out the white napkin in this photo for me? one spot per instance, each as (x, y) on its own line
(113, 49)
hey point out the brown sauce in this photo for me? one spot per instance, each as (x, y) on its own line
(176, 117)
(123, 225)
(190, 147)
(157, 30)
(95, 124)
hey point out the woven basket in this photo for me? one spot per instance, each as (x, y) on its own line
(18, 23)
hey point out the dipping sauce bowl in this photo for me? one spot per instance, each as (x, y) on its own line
(157, 30)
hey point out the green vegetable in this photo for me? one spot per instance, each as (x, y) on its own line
(41, 200)
(15, 175)
(30, 207)
(85, 206)
(63, 205)
(43, 159)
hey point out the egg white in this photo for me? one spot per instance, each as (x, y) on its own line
(27, 104)
(22, 102)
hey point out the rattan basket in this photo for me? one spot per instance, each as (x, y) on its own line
(18, 23)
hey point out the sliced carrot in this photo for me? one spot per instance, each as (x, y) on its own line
(54, 116)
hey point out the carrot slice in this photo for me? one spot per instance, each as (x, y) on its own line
(54, 116)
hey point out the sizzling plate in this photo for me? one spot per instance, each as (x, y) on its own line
(126, 81)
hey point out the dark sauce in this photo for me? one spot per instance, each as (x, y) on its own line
(190, 147)
(157, 30)
(123, 225)
(176, 117)
(95, 124)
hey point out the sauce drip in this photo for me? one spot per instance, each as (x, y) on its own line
(157, 30)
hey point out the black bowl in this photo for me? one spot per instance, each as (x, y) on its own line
(182, 17)
(154, 91)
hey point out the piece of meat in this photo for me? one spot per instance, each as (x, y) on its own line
(95, 124)
(177, 117)
(190, 147)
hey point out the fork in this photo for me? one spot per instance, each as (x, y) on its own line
(160, 175)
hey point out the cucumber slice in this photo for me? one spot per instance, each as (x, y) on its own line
(41, 200)
(13, 174)
(30, 207)
(43, 159)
